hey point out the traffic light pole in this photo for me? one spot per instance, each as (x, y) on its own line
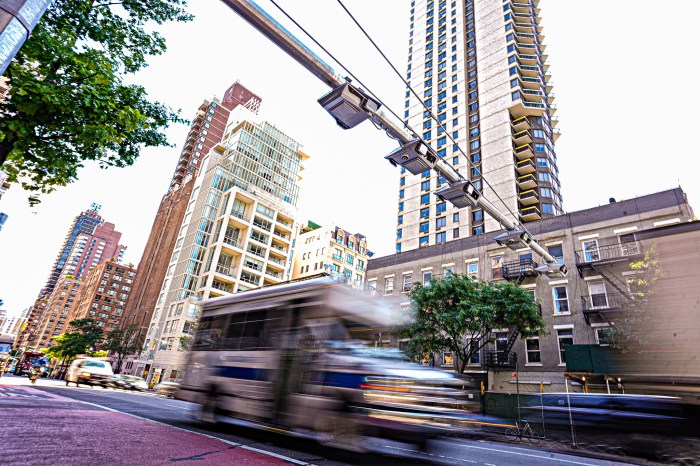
(350, 106)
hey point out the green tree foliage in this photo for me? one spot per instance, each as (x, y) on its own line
(633, 330)
(68, 100)
(452, 312)
(124, 341)
(84, 337)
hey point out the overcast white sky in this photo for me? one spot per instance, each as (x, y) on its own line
(623, 78)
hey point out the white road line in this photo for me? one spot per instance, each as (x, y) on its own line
(239, 445)
(527, 454)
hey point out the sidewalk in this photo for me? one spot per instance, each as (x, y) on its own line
(38, 428)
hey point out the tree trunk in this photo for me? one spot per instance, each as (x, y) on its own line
(6, 147)
(119, 363)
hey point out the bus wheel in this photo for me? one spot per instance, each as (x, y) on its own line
(209, 409)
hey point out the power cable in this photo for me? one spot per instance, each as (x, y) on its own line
(414, 133)
(432, 115)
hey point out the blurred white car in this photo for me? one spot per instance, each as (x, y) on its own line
(166, 388)
(89, 371)
(132, 382)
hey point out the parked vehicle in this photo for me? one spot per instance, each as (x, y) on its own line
(290, 357)
(89, 371)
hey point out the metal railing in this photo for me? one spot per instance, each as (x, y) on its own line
(602, 301)
(231, 241)
(223, 287)
(500, 359)
(514, 269)
(224, 270)
(250, 280)
(608, 253)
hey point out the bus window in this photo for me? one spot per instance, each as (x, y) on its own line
(234, 331)
(209, 333)
(255, 321)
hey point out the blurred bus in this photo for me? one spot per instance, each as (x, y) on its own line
(291, 358)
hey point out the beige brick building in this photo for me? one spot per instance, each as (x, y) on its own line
(597, 245)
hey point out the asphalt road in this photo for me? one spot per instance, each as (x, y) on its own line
(444, 451)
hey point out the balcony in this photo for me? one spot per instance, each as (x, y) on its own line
(520, 124)
(620, 252)
(500, 359)
(526, 182)
(528, 198)
(263, 225)
(282, 235)
(522, 108)
(227, 287)
(231, 241)
(602, 303)
(525, 38)
(524, 152)
(249, 278)
(529, 83)
(224, 270)
(522, 137)
(278, 249)
(525, 167)
(337, 257)
(530, 214)
(524, 27)
(521, 7)
(526, 49)
(256, 252)
(519, 269)
(273, 274)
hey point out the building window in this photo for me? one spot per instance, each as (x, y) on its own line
(565, 337)
(547, 209)
(474, 349)
(561, 302)
(424, 227)
(455, 232)
(389, 285)
(604, 336)
(448, 271)
(400, 206)
(473, 269)
(556, 251)
(424, 199)
(440, 237)
(399, 233)
(399, 220)
(425, 212)
(447, 358)
(423, 241)
(407, 282)
(532, 350)
(455, 217)
(440, 222)
(497, 267)
(426, 277)
(590, 250)
(441, 208)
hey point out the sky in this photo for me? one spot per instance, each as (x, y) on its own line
(623, 75)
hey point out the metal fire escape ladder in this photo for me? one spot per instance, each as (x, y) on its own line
(609, 280)
(511, 339)
(350, 105)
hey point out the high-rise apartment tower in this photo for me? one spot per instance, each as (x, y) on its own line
(480, 68)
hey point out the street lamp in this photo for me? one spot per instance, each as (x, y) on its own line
(17, 20)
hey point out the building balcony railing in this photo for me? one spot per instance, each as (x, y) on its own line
(528, 198)
(262, 226)
(602, 302)
(274, 274)
(360, 268)
(610, 253)
(227, 287)
(231, 241)
(224, 270)
(520, 124)
(256, 253)
(259, 238)
(522, 137)
(337, 257)
(524, 152)
(500, 359)
(519, 269)
(279, 234)
(530, 214)
(281, 263)
(239, 215)
(525, 167)
(525, 37)
(252, 279)
(278, 248)
(522, 107)
(526, 182)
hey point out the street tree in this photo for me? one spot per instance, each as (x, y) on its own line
(69, 100)
(123, 342)
(459, 314)
(84, 338)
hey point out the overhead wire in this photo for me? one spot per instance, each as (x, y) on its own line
(369, 91)
(432, 115)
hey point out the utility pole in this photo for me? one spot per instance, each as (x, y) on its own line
(17, 21)
(350, 106)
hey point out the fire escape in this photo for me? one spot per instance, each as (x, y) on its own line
(607, 261)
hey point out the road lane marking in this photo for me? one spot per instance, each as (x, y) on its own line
(429, 454)
(527, 454)
(235, 444)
